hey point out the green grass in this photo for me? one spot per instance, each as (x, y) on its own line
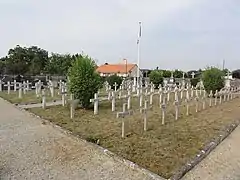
(163, 149)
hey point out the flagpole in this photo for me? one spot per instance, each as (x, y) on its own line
(138, 55)
(138, 62)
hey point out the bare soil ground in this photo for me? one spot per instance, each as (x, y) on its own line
(162, 149)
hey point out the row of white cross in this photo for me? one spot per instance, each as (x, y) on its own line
(223, 95)
(25, 86)
(142, 91)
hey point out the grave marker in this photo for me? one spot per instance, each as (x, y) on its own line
(73, 105)
(43, 99)
(8, 85)
(1, 83)
(144, 111)
(20, 91)
(163, 107)
(113, 101)
(95, 101)
(123, 115)
(176, 104)
(216, 95)
(129, 99)
(115, 86)
(210, 98)
(196, 102)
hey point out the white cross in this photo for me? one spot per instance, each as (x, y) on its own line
(193, 75)
(122, 115)
(1, 83)
(95, 101)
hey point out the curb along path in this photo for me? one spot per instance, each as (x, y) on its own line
(223, 163)
(32, 150)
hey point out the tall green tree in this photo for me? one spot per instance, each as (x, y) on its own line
(59, 64)
(38, 60)
(156, 77)
(166, 73)
(22, 60)
(213, 79)
(3, 65)
(84, 80)
(178, 74)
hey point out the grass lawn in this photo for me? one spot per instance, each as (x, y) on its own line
(29, 97)
(163, 149)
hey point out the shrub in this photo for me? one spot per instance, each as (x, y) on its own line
(112, 79)
(156, 77)
(213, 79)
(84, 81)
(236, 74)
(194, 81)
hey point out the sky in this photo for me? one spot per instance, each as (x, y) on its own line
(176, 34)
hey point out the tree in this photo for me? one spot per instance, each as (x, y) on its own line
(194, 81)
(112, 79)
(38, 59)
(156, 77)
(166, 73)
(84, 81)
(236, 74)
(213, 79)
(3, 65)
(59, 64)
(22, 60)
(178, 74)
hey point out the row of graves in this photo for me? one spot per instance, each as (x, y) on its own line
(164, 97)
(33, 91)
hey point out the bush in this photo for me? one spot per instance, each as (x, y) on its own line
(194, 81)
(213, 79)
(84, 81)
(156, 77)
(236, 74)
(112, 79)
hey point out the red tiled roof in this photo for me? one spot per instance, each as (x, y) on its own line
(115, 68)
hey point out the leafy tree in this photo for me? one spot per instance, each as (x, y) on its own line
(3, 65)
(166, 73)
(194, 81)
(59, 64)
(112, 79)
(236, 74)
(84, 81)
(38, 59)
(213, 79)
(178, 74)
(22, 60)
(156, 77)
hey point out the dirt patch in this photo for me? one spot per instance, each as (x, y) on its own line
(163, 149)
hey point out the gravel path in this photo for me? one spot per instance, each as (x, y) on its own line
(31, 150)
(221, 164)
(40, 105)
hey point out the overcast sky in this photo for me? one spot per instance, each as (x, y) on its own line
(183, 34)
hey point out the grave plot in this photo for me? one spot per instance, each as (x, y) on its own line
(28, 98)
(161, 138)
(23, 95)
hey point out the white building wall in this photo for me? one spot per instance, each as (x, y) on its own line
(134, 72)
